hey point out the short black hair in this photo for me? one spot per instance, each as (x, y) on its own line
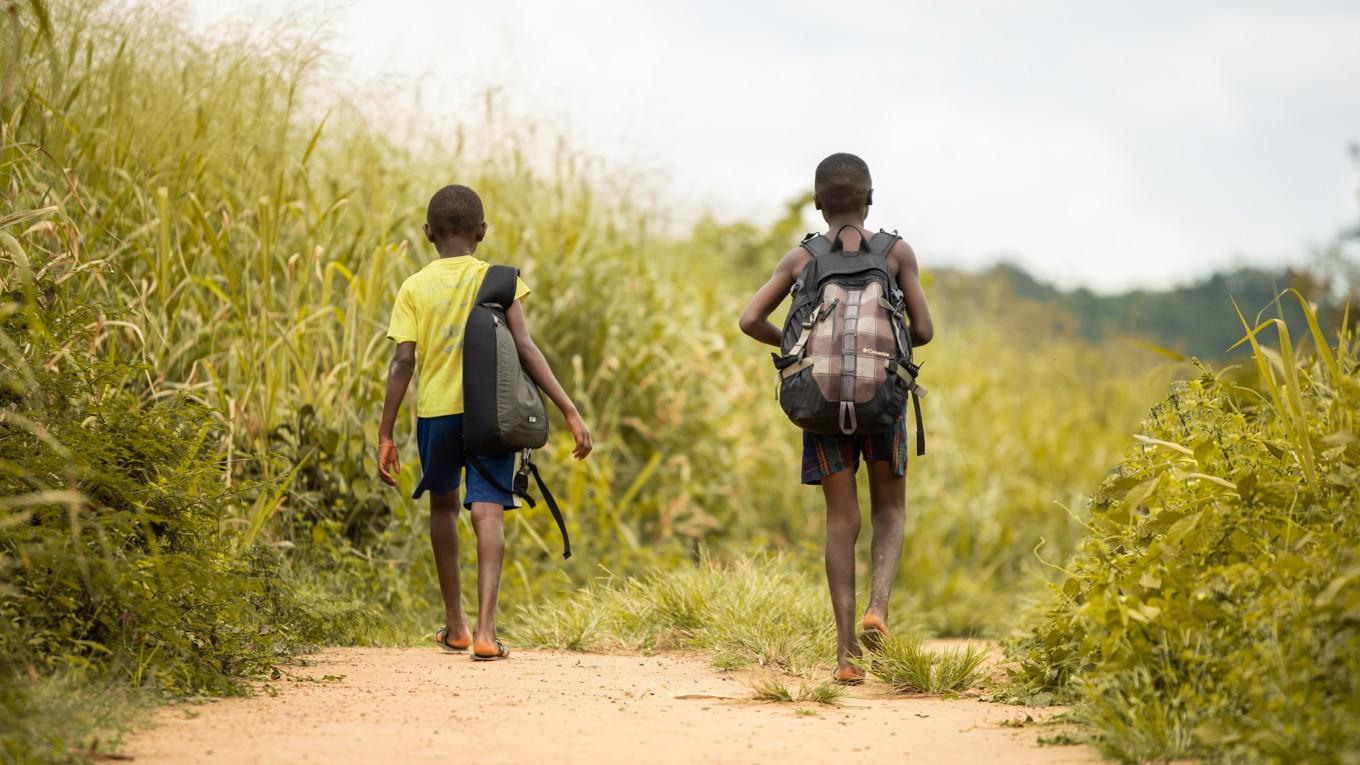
(454, 210)
(842, 183)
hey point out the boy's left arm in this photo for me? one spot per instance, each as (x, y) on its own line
(399, 374)
(539, 371)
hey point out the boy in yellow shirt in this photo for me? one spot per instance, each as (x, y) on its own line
(427, 323)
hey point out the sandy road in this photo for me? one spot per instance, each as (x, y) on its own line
(417, 705)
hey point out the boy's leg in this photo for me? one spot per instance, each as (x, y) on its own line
(842, 529)
(444, 540)
(488, 520)
(888, 514)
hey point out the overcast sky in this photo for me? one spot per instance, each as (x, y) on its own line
(1102, 144)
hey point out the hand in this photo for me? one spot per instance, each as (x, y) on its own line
(581, 433)
(389, 464)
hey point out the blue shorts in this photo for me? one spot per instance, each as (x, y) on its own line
(442, 463)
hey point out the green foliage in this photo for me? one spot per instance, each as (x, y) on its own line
(116, 519)
(70, 716)
(231, 236)
(753, 611)
(910, 666)
(773, 688)
(1213, 610)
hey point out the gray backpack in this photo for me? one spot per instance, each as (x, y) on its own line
(503, 410)
(846, 367)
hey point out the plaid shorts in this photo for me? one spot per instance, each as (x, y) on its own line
(824, 455)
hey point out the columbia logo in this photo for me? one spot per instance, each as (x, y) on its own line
(873, 352)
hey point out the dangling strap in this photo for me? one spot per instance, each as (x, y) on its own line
(554, 509)
(917, 392)
(920, 429)
(521, 490)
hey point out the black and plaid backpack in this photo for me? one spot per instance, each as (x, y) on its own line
(503, 410)
(846, 367)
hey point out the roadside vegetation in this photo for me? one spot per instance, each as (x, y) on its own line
(1214, 609)
(199, 245)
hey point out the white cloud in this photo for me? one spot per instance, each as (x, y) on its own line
(1095, 143)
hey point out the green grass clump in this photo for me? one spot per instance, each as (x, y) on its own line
(823, 692)
(908, 665)
(1213, 610)
(757, 611)
(773, 688)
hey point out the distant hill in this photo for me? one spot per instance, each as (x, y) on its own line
(1196, 319)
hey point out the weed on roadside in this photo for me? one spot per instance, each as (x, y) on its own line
(907, 665)
(773, 688)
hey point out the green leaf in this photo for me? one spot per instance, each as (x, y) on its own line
(1150, 579)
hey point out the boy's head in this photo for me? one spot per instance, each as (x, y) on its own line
(455, 212)
(842, 185)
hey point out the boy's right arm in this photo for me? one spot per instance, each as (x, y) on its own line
(755, 320)
(539, 371)
(399, 374)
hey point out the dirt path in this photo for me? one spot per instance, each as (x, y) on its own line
(417, 705)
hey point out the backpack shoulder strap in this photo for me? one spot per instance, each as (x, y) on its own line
(817, 245)
(498, 286)
(883, 241)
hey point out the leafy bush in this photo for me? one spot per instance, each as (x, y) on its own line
(1214, 609)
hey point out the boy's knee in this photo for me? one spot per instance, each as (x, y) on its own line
(484, 514)
(444, 503)
(846, 520)
(893, 506)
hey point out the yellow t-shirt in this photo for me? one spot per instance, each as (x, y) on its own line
(431, 311)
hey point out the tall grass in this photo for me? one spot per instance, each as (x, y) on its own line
(254, 231)
(234, 232)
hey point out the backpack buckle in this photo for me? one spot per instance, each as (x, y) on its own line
(521, 483)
